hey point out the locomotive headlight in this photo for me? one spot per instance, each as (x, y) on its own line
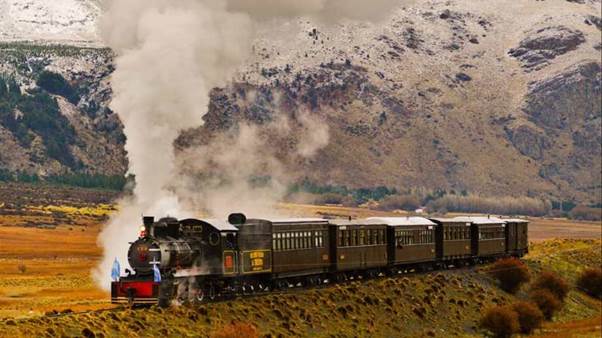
(142, 231)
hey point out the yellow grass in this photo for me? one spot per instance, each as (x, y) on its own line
(98, 210)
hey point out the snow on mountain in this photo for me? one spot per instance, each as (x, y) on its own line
(65, 21)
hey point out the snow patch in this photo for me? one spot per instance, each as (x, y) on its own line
(54, 20)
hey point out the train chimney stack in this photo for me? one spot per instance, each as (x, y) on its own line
(148, 222)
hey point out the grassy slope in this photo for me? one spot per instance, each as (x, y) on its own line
(441, 304)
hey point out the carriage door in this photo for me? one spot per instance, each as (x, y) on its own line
(511, 237)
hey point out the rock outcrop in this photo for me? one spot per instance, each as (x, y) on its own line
(545, 44)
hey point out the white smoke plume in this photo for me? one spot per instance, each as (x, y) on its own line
(169, 55)
(314, 135)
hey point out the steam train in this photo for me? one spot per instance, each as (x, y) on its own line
(193, 260)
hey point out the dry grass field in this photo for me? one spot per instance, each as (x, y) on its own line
(47, 270)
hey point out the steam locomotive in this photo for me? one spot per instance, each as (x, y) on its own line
(194, 260)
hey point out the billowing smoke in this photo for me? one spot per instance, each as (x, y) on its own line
(169, 55)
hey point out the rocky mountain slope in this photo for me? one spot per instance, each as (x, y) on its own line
(60, 124)
(496, 98)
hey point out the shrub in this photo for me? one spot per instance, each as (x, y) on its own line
(491, 205)
(396, 202)
(546, 301)
(22, 268)
(590, 282)
(511, 273)
(330, 198)
(237, 330)
(56, 84)
(502, 321)
(553, 283)
(529, 316)
(585, 213)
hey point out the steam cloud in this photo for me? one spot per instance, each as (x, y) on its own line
(170, 54)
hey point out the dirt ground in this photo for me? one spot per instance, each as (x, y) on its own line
(49, 269)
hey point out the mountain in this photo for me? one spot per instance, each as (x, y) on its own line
(496, 98)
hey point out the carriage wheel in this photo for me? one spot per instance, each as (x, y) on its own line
(211, 292)
(200, 295)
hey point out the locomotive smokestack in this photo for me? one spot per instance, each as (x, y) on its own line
(148, 220)
(148, 223)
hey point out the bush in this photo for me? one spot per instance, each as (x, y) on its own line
(113, 182)
(397, 202)
(552, 282)
(490, 205)
(546, 301)
(529, 316)
(502, 321)
(585, 213)
(237, 330)
(330, 198)
(511, 273)
(590, 282)
(56, 84)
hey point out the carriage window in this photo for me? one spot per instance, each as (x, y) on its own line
(425, 236)
(491, 233)
(361, 237)
(281, 241)
(406, 237)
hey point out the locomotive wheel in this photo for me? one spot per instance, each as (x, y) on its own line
(281, 285)
(248, 289)
(340, 277)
